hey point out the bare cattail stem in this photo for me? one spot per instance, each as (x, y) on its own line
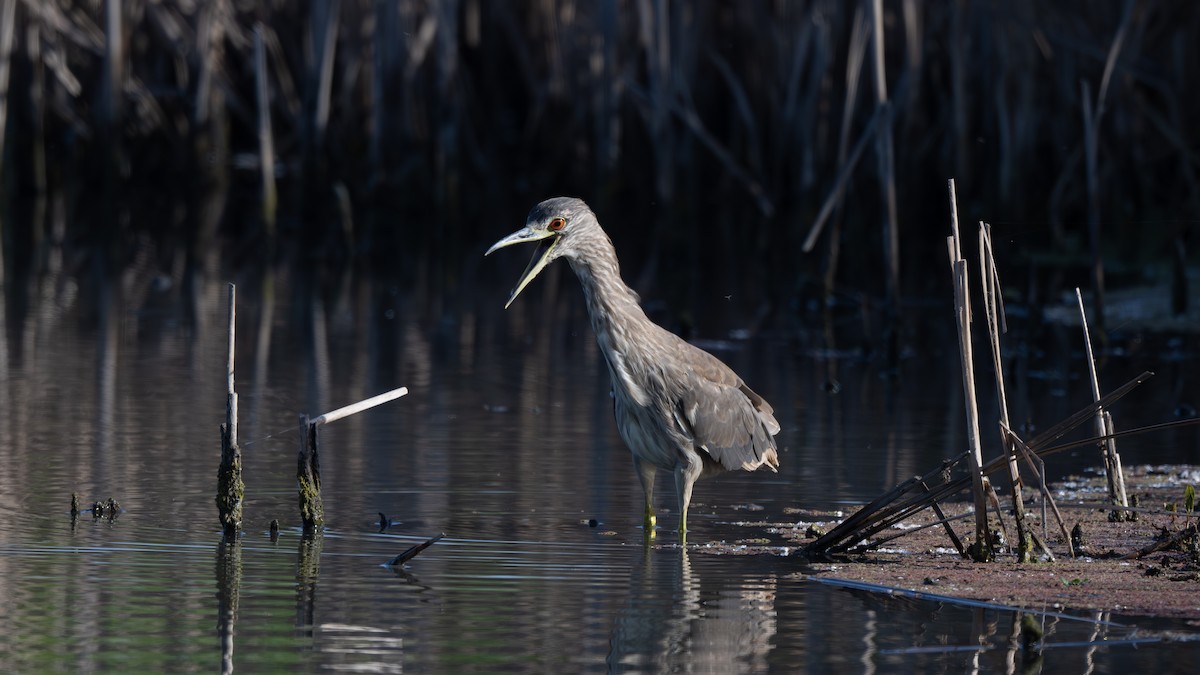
(1039, 472)
(885, 153)
(266, 145)
(112, 91)
(1112, 461)
(8, 10)
(982, 549)
(993, 307)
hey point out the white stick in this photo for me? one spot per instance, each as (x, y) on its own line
(355, 408)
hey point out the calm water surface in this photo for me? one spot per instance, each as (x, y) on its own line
(506, 443)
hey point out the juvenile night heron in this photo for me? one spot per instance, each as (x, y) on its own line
(678, 407)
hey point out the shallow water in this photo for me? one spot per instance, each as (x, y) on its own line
(507, 445)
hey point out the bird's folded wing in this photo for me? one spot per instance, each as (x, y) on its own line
(723, 420)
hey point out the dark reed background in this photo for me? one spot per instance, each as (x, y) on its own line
(404, 136)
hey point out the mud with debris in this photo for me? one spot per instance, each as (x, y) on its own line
(1108, 574)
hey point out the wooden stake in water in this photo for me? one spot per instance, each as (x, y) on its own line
(231, 489)
(308, 466)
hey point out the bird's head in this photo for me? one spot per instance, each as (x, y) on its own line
(559, 226)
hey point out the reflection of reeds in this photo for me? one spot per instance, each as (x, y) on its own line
(730, 117)
(8, 9)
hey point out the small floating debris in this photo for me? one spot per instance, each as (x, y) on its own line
(110, 509)
(412, 552)
(385, 522)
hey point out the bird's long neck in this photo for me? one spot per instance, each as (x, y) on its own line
(613, 307)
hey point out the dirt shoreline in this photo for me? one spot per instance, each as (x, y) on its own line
(1165, 583)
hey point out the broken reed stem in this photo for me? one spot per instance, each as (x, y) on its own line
(1039, 471)
(1118, 473)
(867, 513)
(1108, 450)
(308, 478)
(993, 306)
(942, 519)
(231, 489)
(937, 510)
(355, 408)
(414, 550)
(308, 465)
(881, 513)
(231, 416)
(982, 549)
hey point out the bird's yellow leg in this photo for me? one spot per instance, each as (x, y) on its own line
(645, 473)
(685, 477)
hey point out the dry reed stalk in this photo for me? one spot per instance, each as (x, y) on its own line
(855, 57)
(1093, 113)
(993, 306)
(1111, 443)
(231, 416)
(111, 90)
(885, 152)
(1108, 448)
(1039, 471)
(889, 509)
(1091, 132)
(325, 25)
(208, 38)
(8, 9)
(839, 183)
(266, 143)
(982, 548)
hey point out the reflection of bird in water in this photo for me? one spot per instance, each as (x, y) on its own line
(678, 407)
(671, 622)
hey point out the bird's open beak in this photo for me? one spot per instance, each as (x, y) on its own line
(546, 239)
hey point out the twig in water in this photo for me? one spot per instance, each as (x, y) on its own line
(412, 552)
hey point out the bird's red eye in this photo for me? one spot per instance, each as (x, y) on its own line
(557, 224)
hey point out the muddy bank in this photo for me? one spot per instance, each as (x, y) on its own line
(1164, 583)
